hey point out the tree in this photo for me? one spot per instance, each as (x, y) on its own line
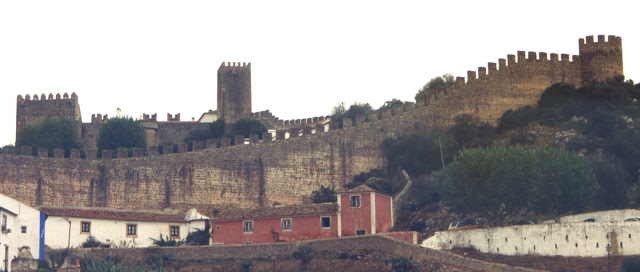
(338, 113)
(434, 85)
(50, 133)
(389, 104)
(469, 131)
(247, 127)
(324, 195)
(498, 182)
(121, 132)
(419, 153)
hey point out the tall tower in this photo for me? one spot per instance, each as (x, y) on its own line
(601, 59)
(31, 111)
(234, 91)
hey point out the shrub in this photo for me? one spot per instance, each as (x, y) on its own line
(50, 133)
(418, 225)
(324, 195)
(401, 264)
(167, 242)
(200, 237)
(631, 264)
(91, 242)
(305, 254)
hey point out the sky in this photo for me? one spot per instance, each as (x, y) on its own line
(306, 56)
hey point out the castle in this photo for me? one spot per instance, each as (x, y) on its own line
(282, 168)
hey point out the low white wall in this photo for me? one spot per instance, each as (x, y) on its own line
(612, 215)
(57, 231)
(584, 239)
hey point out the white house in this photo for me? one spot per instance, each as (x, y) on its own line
(120, 228)
(21, 226)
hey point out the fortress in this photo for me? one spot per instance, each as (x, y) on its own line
(283, 167)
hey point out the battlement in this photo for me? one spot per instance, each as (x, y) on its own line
(98, 118)
(611, 40)
(235, 65)
(173, 118)
(44, 97)
(147, 117)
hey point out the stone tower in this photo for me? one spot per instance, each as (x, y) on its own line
(234, 91)
(601, 59)
(31, 111)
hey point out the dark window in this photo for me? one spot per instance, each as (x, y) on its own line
(361, 232)
(24, 229)
(132, 229)
(286, 224)
(85, 227)
(355, 201)
(325, 221)
(174, 231)
(247, 226)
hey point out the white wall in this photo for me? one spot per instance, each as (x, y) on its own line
(612, 215)
(19, 215)
(57, 231)
(586, 239)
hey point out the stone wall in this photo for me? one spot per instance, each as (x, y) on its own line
(369, 243)
(32, 110)
(581, 239)
(284, 171)
(234, 91)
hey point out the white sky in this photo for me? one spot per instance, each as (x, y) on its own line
(162, 56)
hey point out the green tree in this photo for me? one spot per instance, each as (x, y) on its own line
(419, 153)
(498, 182)
(434, 85)
(324, 195)
(390, 104)
(469, 132)
(121, 132)
(338, 113)
(50, 133)
(247, 127)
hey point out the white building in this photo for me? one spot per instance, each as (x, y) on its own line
(21, 226)
(120, 228)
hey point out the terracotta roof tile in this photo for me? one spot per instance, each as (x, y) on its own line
(278, 211)
(359, 189)
(114, 214)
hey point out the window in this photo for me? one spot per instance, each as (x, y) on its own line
(355, 201)
(174, 231)
(325, 222)
(286, 224)
(361, 232)
(85, 227)
(4, 223)
(24, 229)
(132, 230)
(247, 226)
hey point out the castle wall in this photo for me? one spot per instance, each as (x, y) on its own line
(283, 171)
(33, 110)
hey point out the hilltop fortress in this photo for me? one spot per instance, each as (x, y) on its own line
(283, 167)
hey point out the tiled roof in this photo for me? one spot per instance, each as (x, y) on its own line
(359, 189)
(114, 214)
(278, 211)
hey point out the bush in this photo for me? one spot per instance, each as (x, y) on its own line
(50, 133)
(214, 131)
(247, 127)
(91, 242)
(324, 195)
(122, 132)
(418, 225)
(338, 113)
(167, 242)
(419, 153)
(57, 256)
(305, 254)
(519, 118)
(631, 264)
(401, 264)
(200, 237)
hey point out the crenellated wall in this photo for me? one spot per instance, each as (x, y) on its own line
(257, 174)
(284, 167)
(32, 110)
(520, 80)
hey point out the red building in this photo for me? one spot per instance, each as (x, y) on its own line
(358, 211)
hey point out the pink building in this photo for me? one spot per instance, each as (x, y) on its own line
(358, 211)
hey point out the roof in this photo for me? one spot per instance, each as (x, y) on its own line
(359, 189)
(114, 214)
(277, 211)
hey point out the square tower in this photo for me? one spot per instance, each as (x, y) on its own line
(234, 91)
